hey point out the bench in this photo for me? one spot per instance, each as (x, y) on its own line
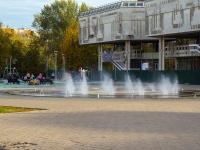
(44, 81)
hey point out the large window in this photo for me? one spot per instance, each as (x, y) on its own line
(132, 4)
(125, 4)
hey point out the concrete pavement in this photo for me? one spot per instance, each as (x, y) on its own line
(100, 124)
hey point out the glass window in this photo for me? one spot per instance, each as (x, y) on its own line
(131, 4)
(125, 4)
(139, 4)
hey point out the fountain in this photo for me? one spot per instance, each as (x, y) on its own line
(107, 85)
(70, 89)
(166, 87)
(131, 88)
(84, 86)
(129, 84)
(135, 87)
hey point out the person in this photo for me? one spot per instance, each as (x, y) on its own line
(17, 75)
(32, 76)
(28, 75)
(25, 77)
(40, 76)
(1, 75)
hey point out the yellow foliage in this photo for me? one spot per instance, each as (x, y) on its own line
(71, 33)
(8, 30)
(28, 33)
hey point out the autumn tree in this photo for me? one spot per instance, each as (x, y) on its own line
(53, 20)
(5, 47)
(51, 24)
(77, 55)
(11, 44)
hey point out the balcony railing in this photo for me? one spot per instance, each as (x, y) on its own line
(182, 51)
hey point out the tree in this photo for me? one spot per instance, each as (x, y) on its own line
(32, 58)
(18, 48)
(16, 52)
(5, 47)
(84, 8)
(53, 20)
(52, 23)
(77, 55)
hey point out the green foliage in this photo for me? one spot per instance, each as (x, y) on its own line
(58, 30)
(53, 20)
(57, 25)
(84, 8)
(10, 109)
(32, 57)
(5, 48)
(77, 55)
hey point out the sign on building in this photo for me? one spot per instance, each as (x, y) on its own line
(145, 66)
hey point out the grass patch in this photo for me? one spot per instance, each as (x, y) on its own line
(11, 109)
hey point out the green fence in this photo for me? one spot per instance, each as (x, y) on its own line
(182, 76)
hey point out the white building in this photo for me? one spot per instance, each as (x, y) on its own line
(121, 24)
(171, 27)
(175, 19)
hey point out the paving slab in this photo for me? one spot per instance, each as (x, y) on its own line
(100, 124)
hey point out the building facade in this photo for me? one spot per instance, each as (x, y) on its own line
(175, 19)
(120, 24)
(163, 34)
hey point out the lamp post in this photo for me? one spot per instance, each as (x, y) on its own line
(63, 61)
(10, 65)
(6, 68)
(22, 69)
(47, 68)
(55, 52)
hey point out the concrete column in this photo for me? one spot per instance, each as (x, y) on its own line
(100, 57)
(199, 40)
(162, 53)
(176, 64)
(128, 52)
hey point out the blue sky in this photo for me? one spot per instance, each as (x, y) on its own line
(19, 13)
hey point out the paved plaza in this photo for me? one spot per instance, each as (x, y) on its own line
(100, 124)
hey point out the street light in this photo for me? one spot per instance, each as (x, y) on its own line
(55, 52)
(22, 69)
(63, 61)
(47, 68)
(10, 65)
